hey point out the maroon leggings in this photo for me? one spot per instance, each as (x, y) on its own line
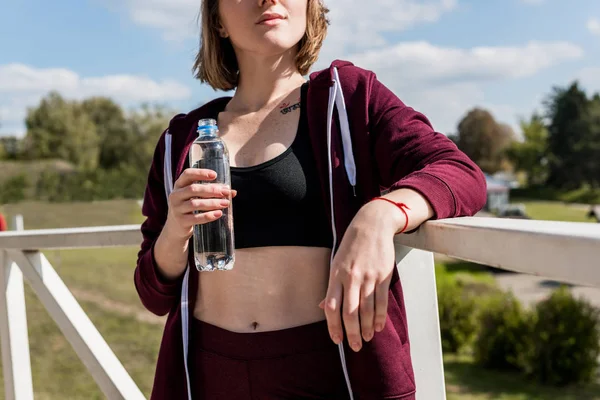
(296, 363)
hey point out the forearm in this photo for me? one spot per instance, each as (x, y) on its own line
(419, 210)
(389, 217)
(171, 254)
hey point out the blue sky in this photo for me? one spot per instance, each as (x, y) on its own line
(442, 57)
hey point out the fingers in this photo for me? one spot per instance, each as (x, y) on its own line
(367, 309)
(198, 190)
(191, 175)
(197, 204)
(350, 313)
(202, 218)
(194, 203)
(362, 301)
(333, 306)
(381, 304)
(187, 185)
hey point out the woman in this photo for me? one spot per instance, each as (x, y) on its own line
(313, 308)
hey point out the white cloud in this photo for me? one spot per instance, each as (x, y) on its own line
(22, 86)
(176, 19)
(354, 26)
(422, 61)
(593, 26)
(444, 82)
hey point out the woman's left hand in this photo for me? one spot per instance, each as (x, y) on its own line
(360, 276)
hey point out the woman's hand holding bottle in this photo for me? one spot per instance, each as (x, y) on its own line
(192, 203)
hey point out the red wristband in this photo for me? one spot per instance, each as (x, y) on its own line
(403, 207)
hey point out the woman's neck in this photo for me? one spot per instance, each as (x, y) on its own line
(264, 80)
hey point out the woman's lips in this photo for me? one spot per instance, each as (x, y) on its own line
(270, 19)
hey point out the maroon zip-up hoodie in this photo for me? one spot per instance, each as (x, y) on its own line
(394, 147)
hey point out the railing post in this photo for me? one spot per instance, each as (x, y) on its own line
(16, 361)
(88, 343)
(18, 223)
(417, 275)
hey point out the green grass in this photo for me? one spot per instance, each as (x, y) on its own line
(556, 211)
(37, 215)
(467, 381)
(475, 278)
(463, 270)
(584, 195)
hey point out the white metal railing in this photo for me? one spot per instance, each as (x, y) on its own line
(563, 251)
(568, 252)
(20, 256)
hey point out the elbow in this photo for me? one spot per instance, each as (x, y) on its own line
(470, 194)
(478, 193)
(157, 309)
(154, 301)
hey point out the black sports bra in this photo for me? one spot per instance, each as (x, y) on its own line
(279, 202)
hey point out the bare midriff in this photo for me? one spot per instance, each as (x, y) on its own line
(269, 288)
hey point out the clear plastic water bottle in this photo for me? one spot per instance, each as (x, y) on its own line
(214, 248)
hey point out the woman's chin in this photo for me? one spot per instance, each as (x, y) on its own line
(272, 48)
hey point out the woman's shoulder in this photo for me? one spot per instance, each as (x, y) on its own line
(346, 70)
(360, 86)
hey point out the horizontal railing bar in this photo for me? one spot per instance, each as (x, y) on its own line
(67, 238)
(576, 229)
(563, 251)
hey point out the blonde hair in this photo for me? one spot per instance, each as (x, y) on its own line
(216, 63)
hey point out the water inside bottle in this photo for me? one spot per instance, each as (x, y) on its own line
(214, 242)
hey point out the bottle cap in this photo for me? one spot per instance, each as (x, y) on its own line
(207, 125)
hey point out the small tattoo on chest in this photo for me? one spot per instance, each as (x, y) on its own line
(288, 108)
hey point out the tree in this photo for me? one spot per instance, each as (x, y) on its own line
(62, 129)
(112, 130)
(10, 147)
(530, 155)
(2, 150)
(567, 111)
(484, 140)
(589, 149)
